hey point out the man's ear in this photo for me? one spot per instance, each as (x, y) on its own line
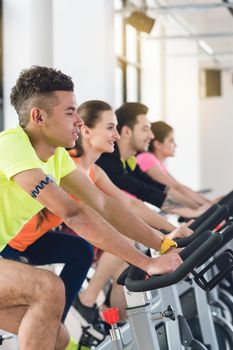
(126, 132)
(37, 116)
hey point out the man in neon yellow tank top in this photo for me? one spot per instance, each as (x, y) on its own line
(36, 172)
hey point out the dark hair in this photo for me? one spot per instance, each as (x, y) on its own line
(90, 112)
(160, 130)
(127, 114)
(35, 87)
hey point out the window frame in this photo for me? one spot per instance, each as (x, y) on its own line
(123, 62)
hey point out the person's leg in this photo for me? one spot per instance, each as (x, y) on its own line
(108, 266)
(10, 320)
(56, 247)
(31, 305)
(117, 295)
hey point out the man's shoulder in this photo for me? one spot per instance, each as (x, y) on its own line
(110, 163)
(13, 139)
(16, 133)
(107, 157)
(11, 131)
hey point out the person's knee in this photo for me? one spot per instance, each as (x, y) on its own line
(122, 265)
(63, 338)
(54, 288)
(51, 290)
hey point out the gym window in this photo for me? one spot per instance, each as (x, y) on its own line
(128, 60)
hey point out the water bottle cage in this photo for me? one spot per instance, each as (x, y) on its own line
(220, 266)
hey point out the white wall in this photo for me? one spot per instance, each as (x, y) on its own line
(203, 128)
(216, 126)
(27, 40)
(74, 36)
(183, 112)
(151, 78)
(83, 46)
(16, 49)
(170, 89)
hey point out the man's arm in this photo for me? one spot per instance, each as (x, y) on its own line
(125, 181)
(90, 224)
(142, 176)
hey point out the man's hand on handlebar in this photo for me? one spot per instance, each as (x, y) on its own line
(164, 264)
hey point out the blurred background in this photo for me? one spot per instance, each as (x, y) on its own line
(175, 56)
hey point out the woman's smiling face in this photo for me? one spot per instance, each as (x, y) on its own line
(104, 134)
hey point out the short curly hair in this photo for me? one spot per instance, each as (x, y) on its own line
(35, 87)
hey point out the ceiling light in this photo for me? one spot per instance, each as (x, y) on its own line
(205, 47)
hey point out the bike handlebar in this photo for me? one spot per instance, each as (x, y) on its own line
(209, 223)
(228, 200)
(135, 279)
(203, 217)
(227, 236)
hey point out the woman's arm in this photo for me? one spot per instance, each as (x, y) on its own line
(195, 195)
(185, 212)
(181, 199)
(181, 193)
(152, 218)
(138, 208)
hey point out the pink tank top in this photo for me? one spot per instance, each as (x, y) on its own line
(147, 160)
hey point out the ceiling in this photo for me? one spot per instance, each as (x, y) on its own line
(209, 23)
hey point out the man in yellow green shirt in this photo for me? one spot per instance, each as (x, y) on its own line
(36, 172)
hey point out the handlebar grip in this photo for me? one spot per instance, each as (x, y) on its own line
(227, 200)
(160, 281)
(184, 254)
(227, 235)
(214, 219)
(194, 245)
(199, 221)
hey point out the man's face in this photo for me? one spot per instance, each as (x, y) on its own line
(62, 122)
(141, 134)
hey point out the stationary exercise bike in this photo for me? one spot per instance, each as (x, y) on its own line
(143, 316)
(170, 335)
